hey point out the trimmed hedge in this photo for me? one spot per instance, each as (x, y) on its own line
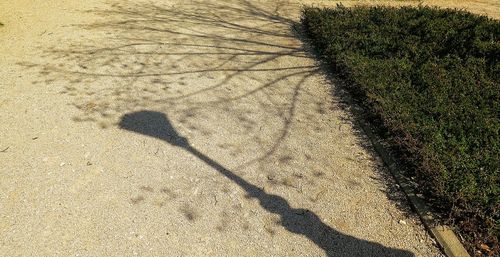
(430, 77)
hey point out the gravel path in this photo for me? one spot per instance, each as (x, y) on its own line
(183, 128)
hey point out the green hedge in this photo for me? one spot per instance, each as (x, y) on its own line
(430, 77)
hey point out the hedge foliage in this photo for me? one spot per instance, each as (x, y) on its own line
(431, 78)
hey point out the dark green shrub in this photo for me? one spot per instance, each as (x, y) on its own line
(431, 78)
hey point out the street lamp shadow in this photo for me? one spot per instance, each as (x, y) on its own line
(296, 220)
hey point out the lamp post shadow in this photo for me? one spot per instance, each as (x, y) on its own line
(298, 221)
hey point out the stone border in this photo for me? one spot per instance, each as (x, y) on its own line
(444, 235)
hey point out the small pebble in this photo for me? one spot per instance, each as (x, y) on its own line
(402, 222)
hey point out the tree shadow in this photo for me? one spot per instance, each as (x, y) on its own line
(156, 56)
(298, 221)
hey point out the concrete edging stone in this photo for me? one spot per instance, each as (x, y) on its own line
(444, 235)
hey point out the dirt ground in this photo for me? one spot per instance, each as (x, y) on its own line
(184, 128)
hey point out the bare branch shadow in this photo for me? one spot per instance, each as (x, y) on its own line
(156, 55)
(298, 221)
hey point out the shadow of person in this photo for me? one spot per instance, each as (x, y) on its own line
(298, 221)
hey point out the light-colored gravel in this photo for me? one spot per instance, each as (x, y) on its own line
(273, 165)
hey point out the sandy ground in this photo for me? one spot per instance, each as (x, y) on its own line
(182, 128)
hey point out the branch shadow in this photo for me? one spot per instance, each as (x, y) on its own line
(295, 220)
(156, 53)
